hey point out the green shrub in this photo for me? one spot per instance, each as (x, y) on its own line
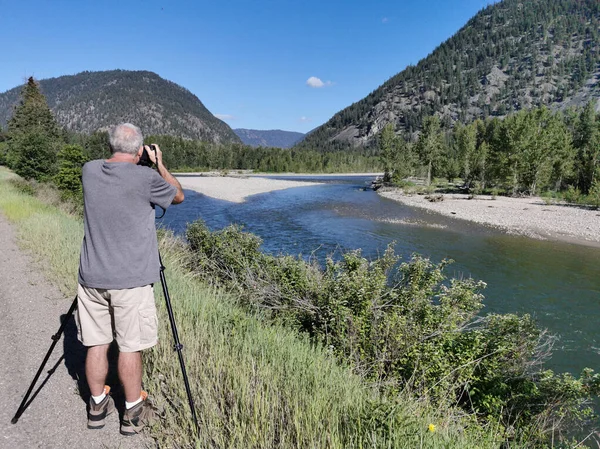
(572, 195)
(32, 156)
(593, 198)
(68, 178)
(405, 329)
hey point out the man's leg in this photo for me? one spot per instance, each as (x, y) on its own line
(130, 374)
(96, 368)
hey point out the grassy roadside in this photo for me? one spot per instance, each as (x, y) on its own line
(256, 384)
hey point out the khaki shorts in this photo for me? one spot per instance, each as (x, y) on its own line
(127, 315)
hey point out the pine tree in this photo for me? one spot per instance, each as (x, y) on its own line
(33, 114)
(33, 136)
(70, 163)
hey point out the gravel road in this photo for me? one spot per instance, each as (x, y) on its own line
(30, 313)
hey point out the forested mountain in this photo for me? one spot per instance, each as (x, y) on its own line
(92, 101)
(512, 55)
(268, 138)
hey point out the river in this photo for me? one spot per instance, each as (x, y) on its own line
(556, 282)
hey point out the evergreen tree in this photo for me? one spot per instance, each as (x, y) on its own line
(33, 114)
(33, 156)
(70, 163)
(33, 136)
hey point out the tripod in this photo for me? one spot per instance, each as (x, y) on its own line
(56, 337)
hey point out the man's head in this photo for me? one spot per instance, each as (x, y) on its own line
(125, 138)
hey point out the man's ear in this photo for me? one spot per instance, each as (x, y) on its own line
(140, 151)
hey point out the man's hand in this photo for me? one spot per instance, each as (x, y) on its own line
(154, 153)
(156, 158)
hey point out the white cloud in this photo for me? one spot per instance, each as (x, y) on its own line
(316, 83)
(224, 116)
(304, 119)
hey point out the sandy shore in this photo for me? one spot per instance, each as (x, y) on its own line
(530, 216)
(234, 188)
(323, 175)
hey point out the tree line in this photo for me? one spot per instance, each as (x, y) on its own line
(35, 147)
(527, 153)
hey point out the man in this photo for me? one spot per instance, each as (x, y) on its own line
(118, 265)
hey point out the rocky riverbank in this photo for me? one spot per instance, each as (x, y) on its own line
(530, 216)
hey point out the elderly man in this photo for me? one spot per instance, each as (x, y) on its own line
(117, 268)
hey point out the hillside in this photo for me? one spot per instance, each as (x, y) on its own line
(91, 101)
(512, 55)
(268, 138)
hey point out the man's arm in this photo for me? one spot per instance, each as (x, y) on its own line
(156, 158)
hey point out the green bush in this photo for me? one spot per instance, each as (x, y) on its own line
(68, 179)
(3, 151)
(405, 329)
(32, 156)
(593, 198)
(572, 195)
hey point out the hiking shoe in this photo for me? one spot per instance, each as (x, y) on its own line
(139, 416)
(98, 412)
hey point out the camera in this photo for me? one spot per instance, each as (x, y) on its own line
(145, 157)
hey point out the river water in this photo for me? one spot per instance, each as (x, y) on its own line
(558, 283)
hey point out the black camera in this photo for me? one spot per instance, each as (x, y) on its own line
(145, 157)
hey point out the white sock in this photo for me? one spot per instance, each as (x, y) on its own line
(98, 399)
(128, 405)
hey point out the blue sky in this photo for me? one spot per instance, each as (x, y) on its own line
(249, 62)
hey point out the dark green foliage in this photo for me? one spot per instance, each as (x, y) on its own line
(407, 329)
(3, 152)
(181, 154)
(32, 136)
(33, 156)
(529, 152)
(97, 146)
(68, 178)
(512, 55)
(587, 143)
(32, 114)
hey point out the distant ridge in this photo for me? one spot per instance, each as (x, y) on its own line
(269, 138)
(512, 55)
(92, 101)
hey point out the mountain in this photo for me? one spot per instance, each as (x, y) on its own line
(268, 138)
(512, 55)
(91, 101)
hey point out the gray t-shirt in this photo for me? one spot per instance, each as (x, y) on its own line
(119, 248)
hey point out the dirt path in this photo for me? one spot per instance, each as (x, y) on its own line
(30, 313)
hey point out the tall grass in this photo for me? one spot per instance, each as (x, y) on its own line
(255, 384)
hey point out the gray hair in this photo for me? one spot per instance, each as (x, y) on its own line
(125, 138)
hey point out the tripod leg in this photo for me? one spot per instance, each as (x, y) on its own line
(55, 338)
(178, 346)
